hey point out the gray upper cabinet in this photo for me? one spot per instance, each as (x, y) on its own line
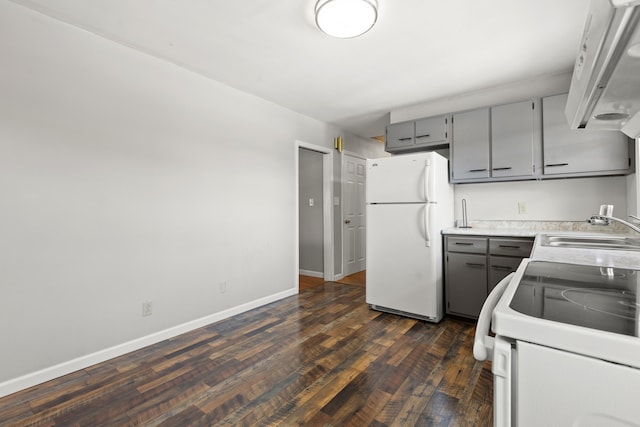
(496, 144)
(579, 152)
(400, 136)
(421, 135)
(470, 148)
(431, 130)
(513, 137)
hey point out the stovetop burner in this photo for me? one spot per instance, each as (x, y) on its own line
(608, 301)
(603, 298)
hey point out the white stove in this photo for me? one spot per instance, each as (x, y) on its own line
(566, 349)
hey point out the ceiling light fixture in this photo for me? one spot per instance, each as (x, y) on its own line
(346, 18)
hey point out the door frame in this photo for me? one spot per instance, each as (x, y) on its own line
(343, 187)
(327, 209)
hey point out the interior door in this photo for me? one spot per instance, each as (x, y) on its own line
(353, 227)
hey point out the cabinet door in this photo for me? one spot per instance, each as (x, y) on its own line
(512, 139)
(399, 135)
(470, 145)
(581, 150)
(500, 267)
(466, 283)
(431, 130)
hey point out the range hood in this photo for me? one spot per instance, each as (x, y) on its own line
(605, 86)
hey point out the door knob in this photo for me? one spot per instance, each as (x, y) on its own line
(347, 221)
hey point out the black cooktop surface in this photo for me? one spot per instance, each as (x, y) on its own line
(603, 298)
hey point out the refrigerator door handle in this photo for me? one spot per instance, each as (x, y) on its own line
(427, 181)
(427, 234)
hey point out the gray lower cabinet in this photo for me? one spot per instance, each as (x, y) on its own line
(475, 265)
(465, 275)
(499, 268)
(467, 283)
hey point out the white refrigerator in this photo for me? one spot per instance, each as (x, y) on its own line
(409, 201)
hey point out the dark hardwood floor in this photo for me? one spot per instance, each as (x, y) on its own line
(320, 358)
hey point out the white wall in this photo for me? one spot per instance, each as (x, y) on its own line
(123, 179)
(503, 94)
(554, 200)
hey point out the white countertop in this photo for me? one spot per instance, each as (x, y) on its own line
(597, 257)
(584, 256)
(533, 228)
(501, 232)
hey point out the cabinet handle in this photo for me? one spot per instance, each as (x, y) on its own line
(473, 264)
(553, 165)
(404, 139)
(502, 169)
(423, 136)
(502, 267)
(464, 244)
(477, 170)
(509, 246)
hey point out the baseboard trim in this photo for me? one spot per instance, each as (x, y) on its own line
(29, 380)
(311, 273)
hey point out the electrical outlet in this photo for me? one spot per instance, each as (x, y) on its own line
(223, 287)
(522, 208)
(147, 308)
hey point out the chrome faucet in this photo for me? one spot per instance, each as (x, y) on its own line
(606, 216)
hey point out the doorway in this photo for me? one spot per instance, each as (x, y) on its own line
(310, 204)
(313, 245)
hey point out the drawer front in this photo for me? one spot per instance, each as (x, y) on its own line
(511, 247)
(476, 245)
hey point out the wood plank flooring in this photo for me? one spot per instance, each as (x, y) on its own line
(357, 279)
(320, 358)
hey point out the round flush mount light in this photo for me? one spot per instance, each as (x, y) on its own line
(346, 18)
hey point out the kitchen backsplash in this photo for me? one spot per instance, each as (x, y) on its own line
(554, 200)
(541, 226)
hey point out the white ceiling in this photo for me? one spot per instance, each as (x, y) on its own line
(418, 51)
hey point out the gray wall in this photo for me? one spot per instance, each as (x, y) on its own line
(125, 178)
(311, 229)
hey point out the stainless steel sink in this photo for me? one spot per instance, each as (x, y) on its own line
(623, 243)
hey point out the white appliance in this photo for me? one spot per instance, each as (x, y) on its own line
(566, 350)
(605, 86)
(409, 202)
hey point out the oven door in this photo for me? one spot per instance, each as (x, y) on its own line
(558, 388)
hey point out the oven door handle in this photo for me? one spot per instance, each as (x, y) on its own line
(483, 343)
